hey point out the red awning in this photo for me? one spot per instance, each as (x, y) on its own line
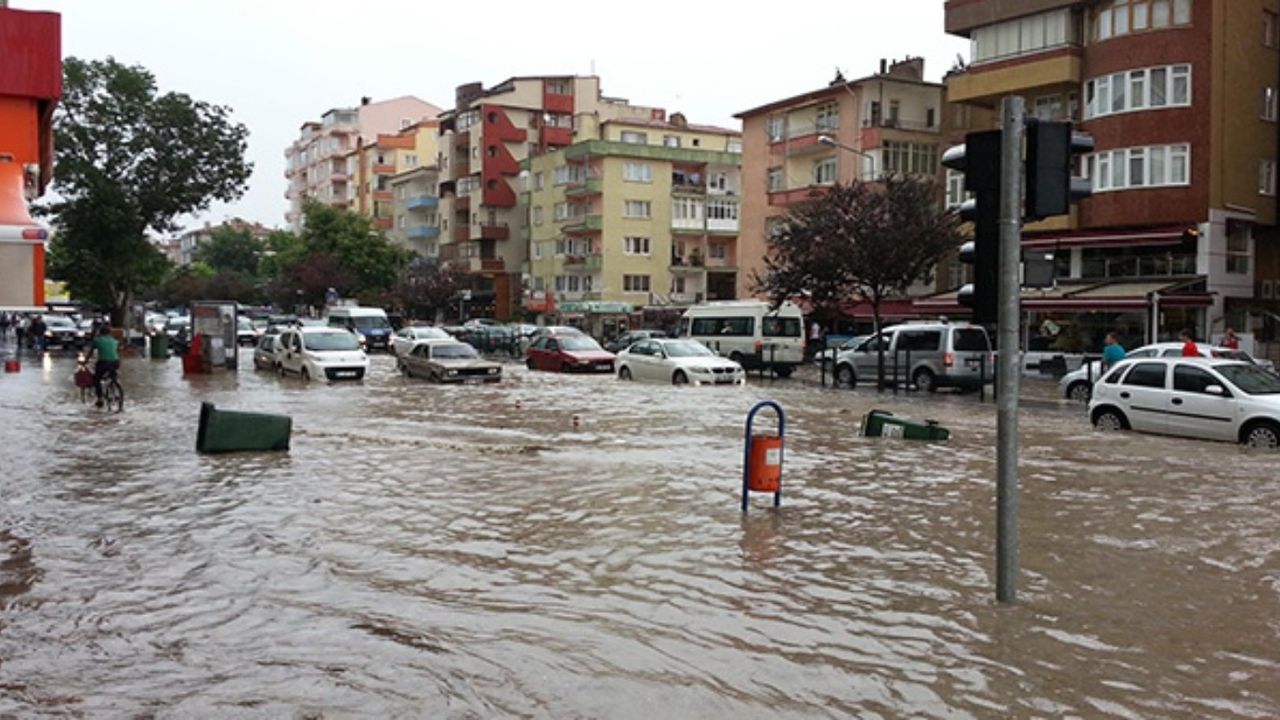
(1166, 235)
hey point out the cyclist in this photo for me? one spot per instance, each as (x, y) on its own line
(107, 348)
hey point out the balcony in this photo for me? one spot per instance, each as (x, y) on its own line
(494, 231)
(898, 123)
(462, 166)
(462, 202)
(383, 169)
(691, 264)
(477, 265)
(686, 298)
(382, 223)
(584, 224)
(688, 226)
(422, 232)
(986, 83)
(583, 263)
(422, 202)
(684, 187)
(584, 189)
(382, 195)
(557, 136)
(461, 232)
(727, 226)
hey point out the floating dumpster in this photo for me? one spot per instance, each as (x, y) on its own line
(231, 431)
(882, 423)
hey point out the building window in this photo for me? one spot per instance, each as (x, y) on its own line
(1267, 177)
(1269, 104)
(735, 146)
(722, 210)
(537, 214)
(1126, 168)
(1121, 17)
(686, 209)
(635, 245)
(400, 221)
(717, 251)
(1156, 87)
(558, 87)
(1270, 27)
(410, 160)
(562, 211)
(1048, 107)
(634, 138)
(775, 180)
(671, 141)
(1022, 36)
(637, 172)
(639, 209)
(955, 189)
(828, 117)
(635, 283)
(1238, 248)
(910, 158)
(776, 127)
(824, 171)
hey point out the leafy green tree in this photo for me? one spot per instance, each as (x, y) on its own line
(130, 160)
(427, 289)
(372, 262)
(862, 242)
(231, 250)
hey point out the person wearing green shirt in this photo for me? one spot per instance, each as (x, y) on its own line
(107, 349)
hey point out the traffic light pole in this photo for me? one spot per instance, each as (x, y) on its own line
(1009, 357)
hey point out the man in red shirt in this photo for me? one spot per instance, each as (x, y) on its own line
(1231, 340)
(1189, 347)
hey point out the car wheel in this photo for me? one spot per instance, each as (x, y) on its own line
(564, 368)
(1110, 420)
(529, 363)
(783, 371)
(924, 381)
(624, 373)
(736, 357)
(1262, 435)
(403, 367)
(305, 374)
(279, 368)
(1079, 391)
(845, 376)
(679, 378)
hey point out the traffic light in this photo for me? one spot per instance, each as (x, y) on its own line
(979, 160)
(1050, 184)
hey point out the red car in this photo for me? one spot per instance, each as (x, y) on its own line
(569, 353)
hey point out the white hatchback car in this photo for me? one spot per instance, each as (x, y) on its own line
(679, 362)
(321, 352)
(1193, 397)
(1076, 384)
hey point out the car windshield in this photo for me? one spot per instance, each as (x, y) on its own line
(687, 349)
(59, 322)
(244, 324)
(578, 343)
(370, 322)
(970, 340)
(1251, 379)
(453, 351)
(178, 322)
(330, 341)
(1231, 355)
(425, 333)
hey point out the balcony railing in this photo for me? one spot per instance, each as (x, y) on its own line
(422, 232)
(422, 202)
(899, 124)
(584, 224)
(583, 263)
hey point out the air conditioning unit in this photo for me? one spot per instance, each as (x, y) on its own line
(1268, 289)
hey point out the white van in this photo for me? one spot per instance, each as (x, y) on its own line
(370, 324)
(750, 332)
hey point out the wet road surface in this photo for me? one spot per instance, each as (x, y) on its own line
(430, 551)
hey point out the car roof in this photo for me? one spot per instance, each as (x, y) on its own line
(1196, 360)
(438, 341)
(318, 329)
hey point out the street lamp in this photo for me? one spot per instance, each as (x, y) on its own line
(832, 142)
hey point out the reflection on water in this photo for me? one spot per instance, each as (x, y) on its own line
(469, 552)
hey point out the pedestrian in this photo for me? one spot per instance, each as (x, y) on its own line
(1112, 351)
(5, 321)
(1189, 347)
(815, 338)
(35, 333)
(20, 329)
(1230, 340)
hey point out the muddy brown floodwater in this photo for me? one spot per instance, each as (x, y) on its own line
(440, 552)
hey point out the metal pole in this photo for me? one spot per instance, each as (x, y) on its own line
(1007, 365)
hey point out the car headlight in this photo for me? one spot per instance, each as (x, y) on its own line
(48, 333)
(452, 373)
(494, 371)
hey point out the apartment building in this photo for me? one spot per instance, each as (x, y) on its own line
(483, 141)
(182, 249)
(1180, 98)
(415, 206)
(636, 212)
(317, 162)
(372, 165)
(888, 122)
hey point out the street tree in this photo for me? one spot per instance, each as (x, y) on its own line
(859, 243)
(371, 261)
(231, 250)
(426, 289)
(131, 160)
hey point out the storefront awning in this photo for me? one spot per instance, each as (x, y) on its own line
(1166, 235)
(1106, 296)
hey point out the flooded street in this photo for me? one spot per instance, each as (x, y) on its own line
(457, 552)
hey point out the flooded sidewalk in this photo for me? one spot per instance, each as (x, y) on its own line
(470, 551)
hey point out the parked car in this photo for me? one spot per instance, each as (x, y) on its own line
(492, 339)
(1078, 384)
(1205, 398)
(61, 332)
(625, 340)
(832, 353)
(480, 322)
(369, 324)
(177, 325)
(448, 361)
(554, 330)
(246, 333)
(264, 353)
(321, 352)
(752, 333)
(405, 338)
(929, 354)
(569, 353)
(679, 362)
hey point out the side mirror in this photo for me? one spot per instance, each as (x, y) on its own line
(1216, 390)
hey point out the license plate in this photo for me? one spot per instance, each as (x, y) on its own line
(473, 380)
(604, 366)
(972, 362)
(345, 373)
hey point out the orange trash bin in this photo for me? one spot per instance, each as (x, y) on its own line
(764, 473)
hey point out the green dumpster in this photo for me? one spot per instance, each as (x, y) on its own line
(882, 423)
(159, 346)
(230, 431)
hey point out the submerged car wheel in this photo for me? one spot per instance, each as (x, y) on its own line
(845, 376)
(1110, 421)
(1079, 391)
(529, 363)
(783, 371)
(679, 378)
(924, 381)
(1262, 435)
(305, 374)
(624, 373)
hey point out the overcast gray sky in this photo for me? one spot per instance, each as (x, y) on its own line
(278, 63)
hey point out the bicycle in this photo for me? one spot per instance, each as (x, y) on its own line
(112, 393)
